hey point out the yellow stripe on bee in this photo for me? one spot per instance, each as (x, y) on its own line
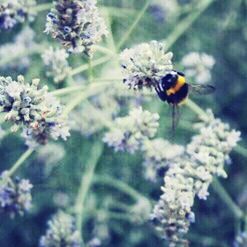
(180, 82)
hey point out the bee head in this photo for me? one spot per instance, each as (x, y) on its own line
(169, 80)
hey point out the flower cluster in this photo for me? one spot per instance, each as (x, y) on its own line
(141, 210)
(198, 66)
(15, 11)
(145, 64)
(95, 242)
(191, 175)
(56, 64)
(61, 232)
(76, 24)
(158, 155)
(34, 109)
(210, 149)
(164, 11)
(24, 41)
(172, 214)
(129, 133)
(241, 240)
(15, 195)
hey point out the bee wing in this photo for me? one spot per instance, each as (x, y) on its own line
(201, 89)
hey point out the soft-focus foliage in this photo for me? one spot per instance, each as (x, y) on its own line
(93, 161)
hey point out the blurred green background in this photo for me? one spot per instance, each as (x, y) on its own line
(220, 31)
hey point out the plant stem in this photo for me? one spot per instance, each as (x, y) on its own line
(186, 23)
(241, 150)
(118, 184)
(42, 7)
(119, 216)
(95, 63)
(133, 26)
(20, 161)
(104, 50)
(72, 89)
(195, 108)
(86, 180)
(92, 89)
(223, 194)
(90, 70)
(119, 12)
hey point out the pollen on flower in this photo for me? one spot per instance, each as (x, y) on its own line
(33, 109)
(15, 11)
(76, 24)
(145, 64)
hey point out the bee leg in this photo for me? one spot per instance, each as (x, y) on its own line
(161, 93)
(175, 119)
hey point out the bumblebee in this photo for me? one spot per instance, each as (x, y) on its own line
(174, 89)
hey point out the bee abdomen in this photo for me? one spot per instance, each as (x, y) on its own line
(179, 96)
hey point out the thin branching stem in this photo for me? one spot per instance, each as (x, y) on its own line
(91, 90)
(20, 161)
(119, 185)
(241, 150)
(86, 180)
(223, 194)
(95, 63)
(133, 26)
(95, 82)
(184, 25)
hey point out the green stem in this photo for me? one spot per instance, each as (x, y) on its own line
(223, 194)
(90, 70)
(92, 89)
(86, 180)
(119, 205)
(95, 63)
(186, 23)
(20, 161)
(133, 26)
(118, 184)
(241, 150)
(119, 12)
(72, 89)
(42, 7)
(195, 108)
(104, 50)
(119, 216)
